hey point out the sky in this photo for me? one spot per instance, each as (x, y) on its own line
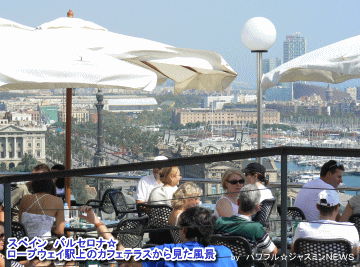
(206, 25)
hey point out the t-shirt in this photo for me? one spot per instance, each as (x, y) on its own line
(162, 195)
(328, 229)
(240, 225)
(145, 186)
(265, 193)
(355, 204)
(307, 198)
(224, 257)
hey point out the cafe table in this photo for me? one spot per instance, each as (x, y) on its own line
(83, 227)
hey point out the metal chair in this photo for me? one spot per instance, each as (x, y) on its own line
(294, 212)
(119, 203)
(105, 204)
(323, 250)
(130, 232)
(238, 245)
(355, 219)
(264, 214)
(18, 230)
(158, 220)
(175, 234)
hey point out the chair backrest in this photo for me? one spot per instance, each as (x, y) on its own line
(326, 251)
(294, 212)
(158, 214)
(355, 219)
(238, 245)
(106, 204)
(175, 234)
(264, 214)
(119, 202)
(130, 232)
(18, 230)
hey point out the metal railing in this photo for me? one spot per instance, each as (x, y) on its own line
(284, 152)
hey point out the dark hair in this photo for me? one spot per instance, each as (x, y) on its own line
(41, 168)
(324, 211)
(44, 186)
(200, 224)
(60, 182)
(58, 167)
(330, 166)
(261, 177)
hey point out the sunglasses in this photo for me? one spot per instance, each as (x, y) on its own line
(236, 181)
(337, 165)
(2, 235)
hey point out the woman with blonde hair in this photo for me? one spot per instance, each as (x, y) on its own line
(228, 205)
(170, 177)
(186, 196)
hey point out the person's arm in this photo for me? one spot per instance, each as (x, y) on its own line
(101, 228)
(292, 247)
(22, 207)
(59, 217)
(224, 208)
(140, 192)
(346, 214)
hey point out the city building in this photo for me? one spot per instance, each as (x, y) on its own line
(49, 114)
(216, 102)
(80, 115)
(224, 117)
(294, 46)
(352, 91)
(270, 64)
(279, 93)
(15, 141)
(133, 105)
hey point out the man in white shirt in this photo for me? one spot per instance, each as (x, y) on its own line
(330, 178)
(148, 183)
(326, 227)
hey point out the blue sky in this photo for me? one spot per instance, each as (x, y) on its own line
(207, 25)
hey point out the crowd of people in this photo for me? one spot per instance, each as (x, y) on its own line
(41, 210)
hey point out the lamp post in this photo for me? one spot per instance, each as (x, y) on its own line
(258, 35)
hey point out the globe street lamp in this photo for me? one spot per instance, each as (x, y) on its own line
(258, 35)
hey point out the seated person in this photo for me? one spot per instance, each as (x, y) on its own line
(232, 182)
(326, 227)
(255, 174)
(170, 177)
(59, 182)
(187, 196)
(197, 225)
(39, 210)
(351, 208)
(148, 183)
(330, 178)
(241, 225)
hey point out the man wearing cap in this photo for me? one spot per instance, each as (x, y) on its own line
(255, 174)
(330, 178)
(148, 183)
(326, 227)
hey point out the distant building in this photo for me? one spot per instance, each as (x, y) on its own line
(216, 102)
(294, 46)
(49, 114)
(326, 94)
(224, 117)
(133, 105)
(15, 141)
(279, 93)
(352, 91)
(80, 115)
(358, 93)
(270, 64)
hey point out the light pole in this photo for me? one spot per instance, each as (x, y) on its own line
(258, 35)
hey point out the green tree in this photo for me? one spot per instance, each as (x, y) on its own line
(27, 164)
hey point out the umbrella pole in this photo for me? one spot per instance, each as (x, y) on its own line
(70, 14)
(68, 144)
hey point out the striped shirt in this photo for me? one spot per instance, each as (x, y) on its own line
(13, 263)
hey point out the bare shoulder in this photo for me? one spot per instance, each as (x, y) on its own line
(223, 202)
(57, 201)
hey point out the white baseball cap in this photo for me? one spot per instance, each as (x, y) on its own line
(328, 198)
(160, 158)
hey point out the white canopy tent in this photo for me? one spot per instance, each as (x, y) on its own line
(334, 63)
